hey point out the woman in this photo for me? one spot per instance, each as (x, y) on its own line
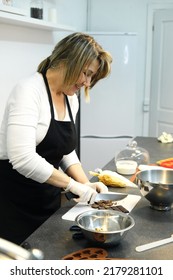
(38, 138)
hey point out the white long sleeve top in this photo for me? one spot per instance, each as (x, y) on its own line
(25, 123)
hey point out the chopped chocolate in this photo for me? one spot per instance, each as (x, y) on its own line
(122, 209)
(103, 204)
(108, 204)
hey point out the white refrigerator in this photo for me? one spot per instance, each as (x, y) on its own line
(108, 122)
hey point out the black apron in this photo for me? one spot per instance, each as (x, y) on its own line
(24, 203)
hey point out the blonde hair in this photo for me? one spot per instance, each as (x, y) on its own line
(75, 52)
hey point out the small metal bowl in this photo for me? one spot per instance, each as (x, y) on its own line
(106, 227)
(157, 187)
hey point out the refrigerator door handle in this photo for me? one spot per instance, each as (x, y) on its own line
(107, 137)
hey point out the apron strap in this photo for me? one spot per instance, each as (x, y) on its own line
(49, 95)
(69, 109)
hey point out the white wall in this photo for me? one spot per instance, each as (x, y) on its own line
(126, 16)
(21, 51)
(72, 12)
(22, 48)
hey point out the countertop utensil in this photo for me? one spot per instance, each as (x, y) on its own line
(110, 196)
(154, 244)
(101, 196)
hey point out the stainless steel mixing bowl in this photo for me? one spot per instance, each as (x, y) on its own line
(106, 227)
(157, 187)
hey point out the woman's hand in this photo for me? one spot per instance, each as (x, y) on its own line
(85, 193)
(98, 186)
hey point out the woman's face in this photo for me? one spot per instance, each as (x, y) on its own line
(84, 78)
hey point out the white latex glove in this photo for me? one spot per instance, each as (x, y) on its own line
(98, 186)
(85, 193)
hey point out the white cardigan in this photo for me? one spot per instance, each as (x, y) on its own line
(25, 123)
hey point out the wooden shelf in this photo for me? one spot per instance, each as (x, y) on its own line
(22, 20)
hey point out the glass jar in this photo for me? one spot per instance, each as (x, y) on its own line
(130, 158)
(36, 9)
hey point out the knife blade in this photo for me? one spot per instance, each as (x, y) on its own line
(110, 196)
(100, 196)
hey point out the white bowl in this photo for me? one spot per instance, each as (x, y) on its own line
(126, 166)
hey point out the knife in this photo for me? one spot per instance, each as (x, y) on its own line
(101, 196)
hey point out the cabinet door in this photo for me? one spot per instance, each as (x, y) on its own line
(161, 106)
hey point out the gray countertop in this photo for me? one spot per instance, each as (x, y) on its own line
(55, 239)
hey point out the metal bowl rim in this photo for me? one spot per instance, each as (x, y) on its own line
(153, 171)
(105, 232)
